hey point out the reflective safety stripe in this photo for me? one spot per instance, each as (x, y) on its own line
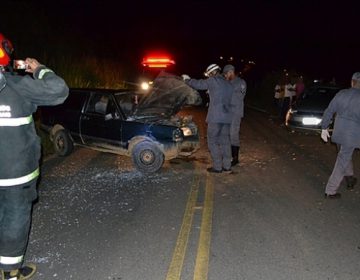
(16, 121)
(20, 180)
(43, 72)
(11, 260)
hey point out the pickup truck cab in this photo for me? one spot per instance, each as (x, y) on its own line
(142, 126)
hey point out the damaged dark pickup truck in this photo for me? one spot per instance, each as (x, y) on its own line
(145, 127)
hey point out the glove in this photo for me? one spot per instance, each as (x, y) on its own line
(325, 135)
(185, 77)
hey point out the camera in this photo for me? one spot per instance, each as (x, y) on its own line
(20, 65)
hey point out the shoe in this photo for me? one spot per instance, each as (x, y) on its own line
(350, 182)
(227, 171)
(212, 170)
(23, 273)
(335, 195)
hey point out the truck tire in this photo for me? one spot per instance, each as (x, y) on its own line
(147, 157)
(63, 144)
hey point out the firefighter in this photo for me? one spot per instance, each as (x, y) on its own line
(20, 94)
(218, 118)
(238, 110)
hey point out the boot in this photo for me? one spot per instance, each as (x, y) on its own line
(350, 182)
(235, 155)
(23, 273)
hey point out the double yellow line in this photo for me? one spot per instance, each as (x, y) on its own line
(202, 257)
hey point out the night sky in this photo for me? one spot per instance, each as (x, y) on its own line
(313, 37)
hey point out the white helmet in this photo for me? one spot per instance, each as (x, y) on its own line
(211, 68)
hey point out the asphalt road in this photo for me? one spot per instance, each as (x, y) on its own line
(98, 218)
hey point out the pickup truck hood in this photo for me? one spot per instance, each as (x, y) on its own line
(166, 97)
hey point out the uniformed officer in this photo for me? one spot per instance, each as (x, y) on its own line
(20, 153)
(218, 118)
(346, 134)
(237, 103)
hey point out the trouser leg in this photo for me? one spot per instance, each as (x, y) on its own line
(235, 155)
(280, 105)
(285, 107)
(15, 220)
(225, 146)
(343, 165)
(235, 132)
(349, 176)
(213, 136)
(235, 139)
(349, 171)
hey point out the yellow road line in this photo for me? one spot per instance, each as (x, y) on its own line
(177, 261)
(203, 250)
(202, 259)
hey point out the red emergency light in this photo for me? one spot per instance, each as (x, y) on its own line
(157, 62)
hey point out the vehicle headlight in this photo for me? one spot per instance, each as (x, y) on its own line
(311, 121)
(145, 86)
(178, 135)
(186, 131)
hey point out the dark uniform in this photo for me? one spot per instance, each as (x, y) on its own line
(218, 118)
(346, 134)
(238, 113)
(238, 109)
(19, 155)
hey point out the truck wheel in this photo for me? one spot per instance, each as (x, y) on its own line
(147, 157)
(63, 144)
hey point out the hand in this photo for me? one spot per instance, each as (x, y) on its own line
(32, 64)
(185, 77)
(325, 135)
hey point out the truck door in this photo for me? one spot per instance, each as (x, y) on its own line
(100, 123)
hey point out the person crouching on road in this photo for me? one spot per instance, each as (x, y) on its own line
(218, 118)
(237, 102)
(20, 153)
(346, 134)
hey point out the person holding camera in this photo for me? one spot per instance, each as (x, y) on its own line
(20, 95)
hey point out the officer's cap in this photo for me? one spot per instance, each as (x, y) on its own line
(228, 68)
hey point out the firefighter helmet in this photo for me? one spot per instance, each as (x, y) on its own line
(6, 50)
(211, 68)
